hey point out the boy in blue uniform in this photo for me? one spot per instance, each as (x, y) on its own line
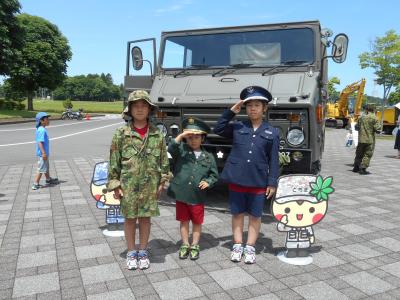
(252, 168)
(195, 171)
(42, 150)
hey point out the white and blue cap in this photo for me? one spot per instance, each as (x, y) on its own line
(295, 187)
(255, 92)
(39, 116)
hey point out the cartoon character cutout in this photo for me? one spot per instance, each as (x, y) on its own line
(104, 198)
(301, 202)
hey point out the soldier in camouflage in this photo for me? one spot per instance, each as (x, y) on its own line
(367, 126)
(138, 170)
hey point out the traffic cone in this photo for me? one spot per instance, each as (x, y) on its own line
(87, 117)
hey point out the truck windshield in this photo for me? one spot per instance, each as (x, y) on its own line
(249, 49)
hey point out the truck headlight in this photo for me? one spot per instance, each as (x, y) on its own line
(162, 128)
(295, 137)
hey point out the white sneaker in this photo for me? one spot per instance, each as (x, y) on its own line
(237, 252)
(249, 255)
(131, 260)
(144, 262)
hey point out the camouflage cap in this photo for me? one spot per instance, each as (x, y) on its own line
(140, 95)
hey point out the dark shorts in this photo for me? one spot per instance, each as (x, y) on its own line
(189, 212)
(242, 202)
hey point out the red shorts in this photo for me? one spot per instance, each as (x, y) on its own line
(189, 212)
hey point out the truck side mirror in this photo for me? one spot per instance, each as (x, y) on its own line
(137, 58)
(339, 48)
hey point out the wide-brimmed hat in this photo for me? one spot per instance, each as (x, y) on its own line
(195, 126)
(140, 95)
(39, 116)
(255, 92)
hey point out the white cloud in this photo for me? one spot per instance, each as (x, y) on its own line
(173, 8)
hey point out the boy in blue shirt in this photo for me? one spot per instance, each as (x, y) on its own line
(252, 168)
(42, 150)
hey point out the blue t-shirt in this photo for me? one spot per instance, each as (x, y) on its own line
(42, 136)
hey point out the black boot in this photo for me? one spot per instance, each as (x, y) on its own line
(363, 171)
(356, 169)
(302, 253)
(291, 253)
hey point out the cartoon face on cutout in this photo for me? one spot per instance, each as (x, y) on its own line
(299, 213)
(98, 186)
(301, 200)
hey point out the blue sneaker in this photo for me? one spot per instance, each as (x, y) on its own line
(131, 260)
(144, 262)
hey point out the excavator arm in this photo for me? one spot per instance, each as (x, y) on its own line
(343, 102)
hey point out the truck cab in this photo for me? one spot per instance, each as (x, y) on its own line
(201, 72)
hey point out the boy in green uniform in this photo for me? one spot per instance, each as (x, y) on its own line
(195, 171)
(138, 169)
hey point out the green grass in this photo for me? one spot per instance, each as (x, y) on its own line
(55, 108)
(13, 114)
(87, 106)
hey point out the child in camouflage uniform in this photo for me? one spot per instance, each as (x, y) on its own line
(138, 170)
(195, 171)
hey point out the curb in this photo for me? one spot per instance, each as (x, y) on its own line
(25, 120)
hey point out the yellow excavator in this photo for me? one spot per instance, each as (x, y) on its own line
(337, 114)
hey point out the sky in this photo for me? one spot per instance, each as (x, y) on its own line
(98, 30)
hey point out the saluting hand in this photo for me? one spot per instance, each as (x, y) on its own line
(203, 185)
(184, 134)
(236, 108)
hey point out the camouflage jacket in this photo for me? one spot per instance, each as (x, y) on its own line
(367, 126)
(138, 166)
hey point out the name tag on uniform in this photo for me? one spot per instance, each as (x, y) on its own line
(267, 131)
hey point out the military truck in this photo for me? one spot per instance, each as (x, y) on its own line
(201, 72)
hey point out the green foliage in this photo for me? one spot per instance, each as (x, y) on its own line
(67, 104)
(322, 188)
(42, 62)
(394, 96)
(384, 58)
(12, 98)
(332, 92)
(92, 87)
(10, 38)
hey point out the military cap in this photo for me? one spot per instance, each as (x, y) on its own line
(140, 95)
(255, 93)
(195, 126)
(294, 188)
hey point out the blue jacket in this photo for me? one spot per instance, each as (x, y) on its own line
(254, 158)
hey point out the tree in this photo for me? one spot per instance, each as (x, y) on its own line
(10, 42)
(384, 58)
(394, 96)
(42, 62)
(332, 92)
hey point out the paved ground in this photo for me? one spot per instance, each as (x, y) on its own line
(52, 246)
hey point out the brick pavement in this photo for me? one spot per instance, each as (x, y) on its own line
(52, 246)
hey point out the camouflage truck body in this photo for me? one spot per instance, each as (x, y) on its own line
(202, 72)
